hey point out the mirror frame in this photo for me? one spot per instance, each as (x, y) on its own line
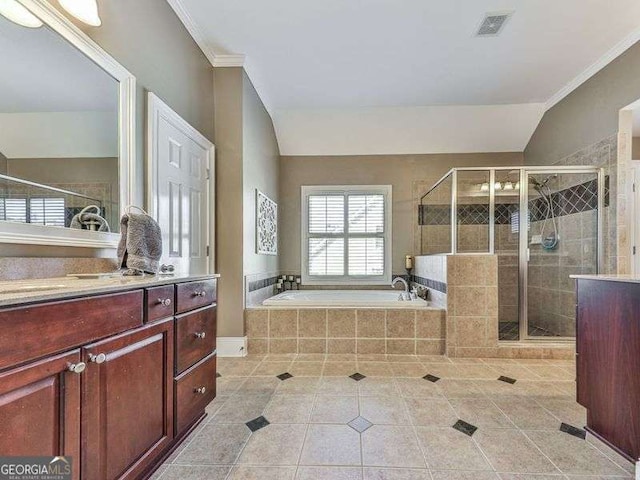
(28, 234)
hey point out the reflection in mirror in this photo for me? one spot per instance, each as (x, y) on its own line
(59, 144)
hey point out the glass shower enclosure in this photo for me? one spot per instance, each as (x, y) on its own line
(543, 223)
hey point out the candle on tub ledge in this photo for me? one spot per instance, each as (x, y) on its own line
(408, 262)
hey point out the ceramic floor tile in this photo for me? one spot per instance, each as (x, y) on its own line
(274, 445)
(480, 412)
(195, 472)
(519, 372)
(411, 370)
(512, 452)
(299, 385)
(520, 476)
(329, 473)
(258, 386)
(443, 370)
(402, 358)
(229, 385)
(526, 414)
(334, 409)
(271, 369)
(384, 410)
(391, 446)
(476, 372)
(215, 445)
(243, 472)
(396, 474)
(418, 387)
(549, 372)
(375, 369)
(241, 409)
(238, 368)
(457, 475)
(331, 445)
(306, 369)
(565, 410)
(339, 369)
(337, 386)
(573, 455)
(431, 412)
(289, 408)
(452, 388)
(448, 449)
(378, 386)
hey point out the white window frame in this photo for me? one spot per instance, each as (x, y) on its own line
(309, 190)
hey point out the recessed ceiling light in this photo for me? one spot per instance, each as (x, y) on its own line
(18, 13)
(84, 10)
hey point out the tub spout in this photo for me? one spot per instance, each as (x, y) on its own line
(405, 295)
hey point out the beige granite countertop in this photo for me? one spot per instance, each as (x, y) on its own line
(609, 278)
(39, 290)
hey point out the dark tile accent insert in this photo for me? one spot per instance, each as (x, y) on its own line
(264, 283)
(257, 423)
(429, 283)
(571, 430)
(507, 380)
(431, 378)
(284, 376)
(218, 375)
(357, 376)
(465, 427)
(360, 424)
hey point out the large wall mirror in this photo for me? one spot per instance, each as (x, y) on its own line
(66, 134)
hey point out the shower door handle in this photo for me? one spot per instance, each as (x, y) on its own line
(528, 254)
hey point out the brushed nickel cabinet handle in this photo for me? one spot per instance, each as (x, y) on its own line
(201, 390)
(165, 302)
(77, 367)
(99, 358)
(200, 334)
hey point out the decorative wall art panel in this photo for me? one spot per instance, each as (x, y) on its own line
(266, 225)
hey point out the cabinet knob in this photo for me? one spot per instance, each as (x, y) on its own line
(165, 302)
(77, 367)
(201, 390)
(200, 293)
(100, 358)
(167, 268)
(200, 334)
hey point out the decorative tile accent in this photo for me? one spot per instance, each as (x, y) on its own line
(360, 424)
(571, 430)
(264, 283)
(284, 376)
(218, 375)
(465, 427)
(357, 377)
(507, 380)
(266, 225)
(257, 423)
(431, 378)
(432, 284)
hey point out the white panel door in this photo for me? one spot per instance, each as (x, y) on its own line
(180, 190)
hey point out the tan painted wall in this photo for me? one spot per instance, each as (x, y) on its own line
(403, 172)
(229, 221)
(589, 114)
(261, 158)
(3, 164)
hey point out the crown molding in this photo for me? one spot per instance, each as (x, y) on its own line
(228, 61)
(216, 60)
(594, 68)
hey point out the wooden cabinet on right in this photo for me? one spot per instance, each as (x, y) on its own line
(608, 361)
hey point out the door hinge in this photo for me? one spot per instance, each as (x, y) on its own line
(208, 173)
(208, 251)
(634, 250)
(633, 186)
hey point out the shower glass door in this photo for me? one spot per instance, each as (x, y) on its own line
(561, 212)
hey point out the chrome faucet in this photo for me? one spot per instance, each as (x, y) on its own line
(404, 295)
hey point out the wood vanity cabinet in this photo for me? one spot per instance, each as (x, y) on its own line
(116, 389)
(608, 361)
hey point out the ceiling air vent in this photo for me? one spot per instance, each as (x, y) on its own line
(493, 24)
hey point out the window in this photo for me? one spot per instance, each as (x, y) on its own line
(41, 210)
(346, 234)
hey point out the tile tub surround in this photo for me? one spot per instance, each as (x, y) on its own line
(430, 271)
(345, 331)
(411, 438)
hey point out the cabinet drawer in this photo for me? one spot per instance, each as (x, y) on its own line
(194, 390)
(160, 303)
(192, 295)
(195, 337)
(31, 332)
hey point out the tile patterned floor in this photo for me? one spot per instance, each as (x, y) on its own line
(393, 424)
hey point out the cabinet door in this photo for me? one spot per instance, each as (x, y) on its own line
(40, 410)
(127, 402)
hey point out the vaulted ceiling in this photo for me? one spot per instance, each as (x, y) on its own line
(381, 66)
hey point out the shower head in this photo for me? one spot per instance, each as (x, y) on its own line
(538, 185)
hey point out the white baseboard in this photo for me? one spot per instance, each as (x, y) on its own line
(232, 346)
